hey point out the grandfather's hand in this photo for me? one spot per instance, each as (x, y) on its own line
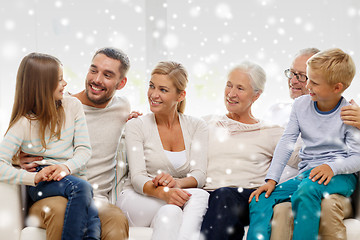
(268, 188)
(26, 161)
(351, 114)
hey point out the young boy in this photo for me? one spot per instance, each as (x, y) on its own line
(330, 153)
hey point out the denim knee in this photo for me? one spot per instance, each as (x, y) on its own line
(82, 188)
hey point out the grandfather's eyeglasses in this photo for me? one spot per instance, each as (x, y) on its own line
(299, 76)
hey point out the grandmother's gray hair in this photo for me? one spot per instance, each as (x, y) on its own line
(256, 74)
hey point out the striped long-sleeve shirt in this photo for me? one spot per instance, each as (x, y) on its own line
(72, 149)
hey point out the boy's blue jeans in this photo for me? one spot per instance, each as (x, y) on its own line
(305, 196)
(81, 219)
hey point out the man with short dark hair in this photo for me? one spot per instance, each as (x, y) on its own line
(106, 116)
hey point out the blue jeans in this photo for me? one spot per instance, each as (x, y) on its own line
(227, 214)
(305, 196)
(81, 219)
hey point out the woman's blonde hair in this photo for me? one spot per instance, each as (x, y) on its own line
(178, 75)
(37, 79)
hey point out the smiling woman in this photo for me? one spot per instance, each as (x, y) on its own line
(167, 155)
(240, 151)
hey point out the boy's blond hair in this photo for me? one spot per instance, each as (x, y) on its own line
(334, 65)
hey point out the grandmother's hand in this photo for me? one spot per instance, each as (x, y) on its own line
(268, 188)
(164, 179)
(351, 114)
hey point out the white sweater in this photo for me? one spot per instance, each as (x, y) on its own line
(239, 154)
(105, 127)
(147, 158)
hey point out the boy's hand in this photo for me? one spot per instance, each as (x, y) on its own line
(268, 188)
(351, 114)
(324, 172)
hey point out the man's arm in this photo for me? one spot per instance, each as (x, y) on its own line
(26, 161)
(351, 114)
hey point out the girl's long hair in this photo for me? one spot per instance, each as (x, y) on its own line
(36, 81)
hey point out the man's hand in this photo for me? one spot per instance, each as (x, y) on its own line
(26, 161)
(324, 172)
(134, 114)
(351, 114)
(268, 188)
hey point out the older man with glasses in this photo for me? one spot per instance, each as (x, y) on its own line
(334, 207)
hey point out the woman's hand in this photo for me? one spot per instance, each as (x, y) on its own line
(56, 172)
(351, 114)
(268, 188)
(166, 180)
(176, 196)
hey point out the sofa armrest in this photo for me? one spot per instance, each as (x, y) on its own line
(356, 198)
(121, 170)
(11, 214)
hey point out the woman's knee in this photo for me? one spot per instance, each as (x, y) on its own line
(199, 194)
(169, 212)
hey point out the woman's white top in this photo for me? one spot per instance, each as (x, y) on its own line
(146, 156)
(177, 159)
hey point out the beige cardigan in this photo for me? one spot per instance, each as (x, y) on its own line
(146, 156)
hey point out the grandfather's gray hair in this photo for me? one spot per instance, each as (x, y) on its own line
(307, 51)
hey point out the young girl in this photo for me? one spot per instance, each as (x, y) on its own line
(43, 123)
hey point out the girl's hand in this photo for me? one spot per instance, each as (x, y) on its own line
(268, 188)
(41, 176)
(176, 196)
(324, 172)
(57, 172)
(166, 180)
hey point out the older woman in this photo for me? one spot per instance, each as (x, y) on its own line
(240, 151)
(167, 155)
